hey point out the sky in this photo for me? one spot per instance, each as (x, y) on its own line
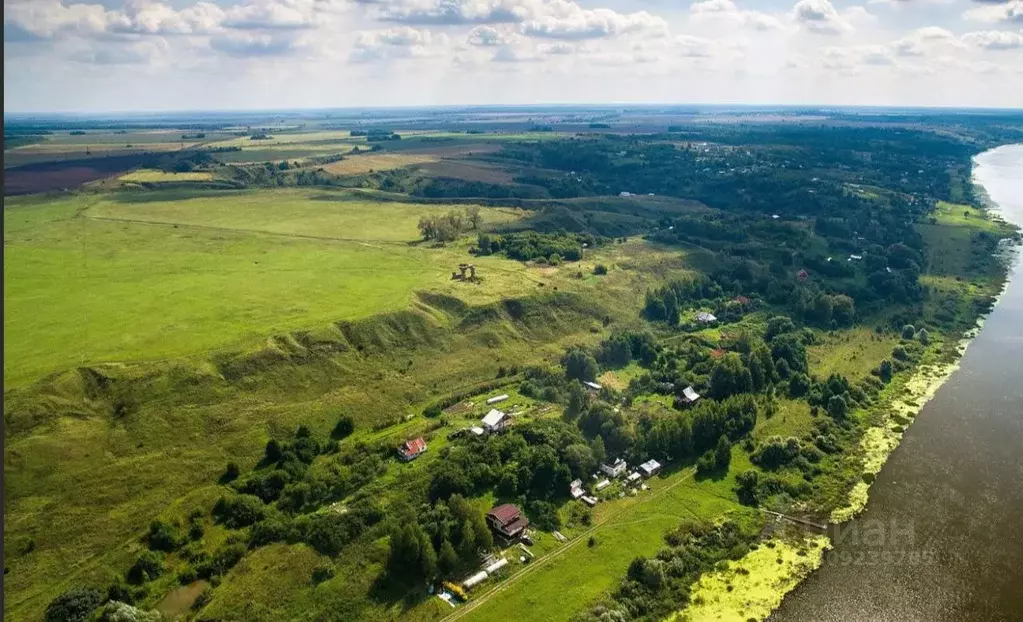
(161, 55)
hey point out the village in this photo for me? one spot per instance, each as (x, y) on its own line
(516, 542)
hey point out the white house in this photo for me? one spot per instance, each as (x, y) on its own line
(650, 468)
(614, 469)
(576, 489)
(705, 317)
(625, 194)
(689, 395)
(633, 478)
(495, 420)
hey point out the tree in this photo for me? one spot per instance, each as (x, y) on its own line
(578, 401)
(343, 428)
(600, 269)
(579, 365)
(746, 487)
(272, 453)
(580, 460)
(837, 407)
(148, 566)
(74, 605)
(473, 216)
(230, 473)
(412, 555)
(778, 325)
(447, 558)
(483, 244)
(885, 370)
(162, 536)
(723, 453)
(908, 331)
(923, 336)
(844, 310)
(730, 377)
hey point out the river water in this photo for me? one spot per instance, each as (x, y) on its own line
(942, 534)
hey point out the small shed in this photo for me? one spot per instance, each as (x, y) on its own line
(496, 399)
(650, 468)
(590, 501)
(633, 478)
(475, 579)
(706, 318)
(592, 387)
(602, 484)
(689, 395)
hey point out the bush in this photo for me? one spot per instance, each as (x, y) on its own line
(323, 572)
(116, 611)
(239, 511)
(900, 353)
(600, 269)
(908, 331)
(147, 567)
(73, 605)
(923, 336)
(231, 473)
(202, 599)
(162, 536)
(343, 428)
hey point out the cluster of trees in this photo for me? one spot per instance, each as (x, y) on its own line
(438, 540)
(532, 245)
(666, 303)
(447, 227)
(656, 587)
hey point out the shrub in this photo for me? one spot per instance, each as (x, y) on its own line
(323, 572)
(162, 536)
(900, 353)
(600, 269)
(908, 331)
(147, 567)
(239, 511)
(231, 473)
(343, 428)
(202, 599)
(923, 336)
(73, 605)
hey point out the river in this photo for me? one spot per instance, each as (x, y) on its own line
(941, 537)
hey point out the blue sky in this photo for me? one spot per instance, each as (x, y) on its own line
(120, 55)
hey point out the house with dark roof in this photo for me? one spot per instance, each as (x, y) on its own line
(410, 450)
(507, 521)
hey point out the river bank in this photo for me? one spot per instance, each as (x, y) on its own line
(931, 541)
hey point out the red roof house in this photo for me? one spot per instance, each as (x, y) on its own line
(410, 450)
(507, 520)
(802, 274)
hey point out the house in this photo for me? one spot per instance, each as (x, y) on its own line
(705, 318)
(602, 484)
(410, 450)
(496, 399)
(855, 257)
(650, 468)
(625, 194)
(633, 478)
(614, 469)
(590, 501)
(495, 420)
(689, 396)
(592, 387)
(576, 489)
(507, 520)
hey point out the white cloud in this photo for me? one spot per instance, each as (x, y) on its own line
(820, 16)
(726, 11)
(1011, 12)
(488, 36)
(248, 45)
(575, 22)
(924, 41)
(995, 40)
(455, 12)
(397, 43)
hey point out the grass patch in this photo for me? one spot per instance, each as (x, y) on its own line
(156, 176)
(852, 353)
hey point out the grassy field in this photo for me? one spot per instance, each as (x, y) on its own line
(576, 574)
(852, 353)
(155, 176)
(88, 279)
